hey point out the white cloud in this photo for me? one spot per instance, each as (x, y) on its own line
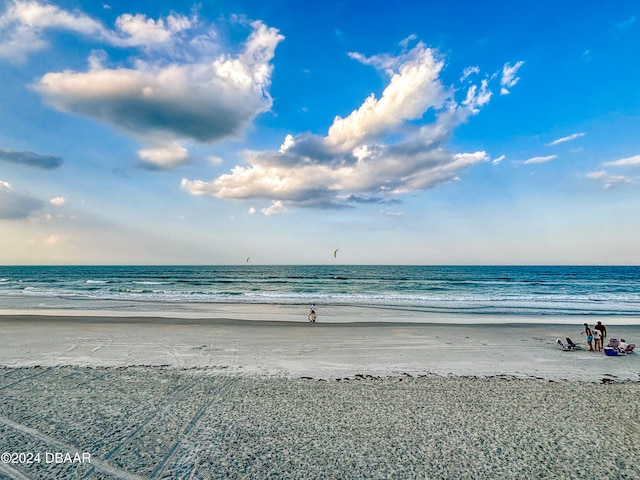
(468, 72)
(36, 15)
(287, 144)
(608, 181)
(213, 160)
(252, 211)
(58, 201)
(565, 139)
(383, 148)
(406, 41)
(164, 156)
(16, 205)
(534, 160)
(140, 30)
(624, 162)
(496, 161)
(180, 85)
(24, 24)
(203, 101)
(509, 78)
(478, 97)
(414, 89)
(275, 208)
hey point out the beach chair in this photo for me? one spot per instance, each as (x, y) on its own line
(572, 345)
(563, 347)
(613, 343)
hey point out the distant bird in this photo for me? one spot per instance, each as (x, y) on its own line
(335, 253)
(248, 259)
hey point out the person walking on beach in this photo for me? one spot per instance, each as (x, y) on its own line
(589, 334)
(603, 331)
(312, 313)
(597, 337)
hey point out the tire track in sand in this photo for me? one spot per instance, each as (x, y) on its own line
(215, 396)
(37, 374)
(12, 473)
(175, 396)
(57, 445)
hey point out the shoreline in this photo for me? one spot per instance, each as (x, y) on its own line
(330, 314)
(152, 318)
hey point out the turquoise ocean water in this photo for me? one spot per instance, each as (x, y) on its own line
(513, 292)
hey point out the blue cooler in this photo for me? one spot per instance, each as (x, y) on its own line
(612, 352)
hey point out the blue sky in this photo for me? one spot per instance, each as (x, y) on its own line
(412, 132)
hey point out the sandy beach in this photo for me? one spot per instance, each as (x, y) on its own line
(323, 350)
(228, 398)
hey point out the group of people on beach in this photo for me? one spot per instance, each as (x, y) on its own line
(595, 337)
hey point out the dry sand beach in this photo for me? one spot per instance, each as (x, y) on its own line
(226, 398)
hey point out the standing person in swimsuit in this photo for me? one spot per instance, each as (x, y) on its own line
(597, 336)
(589, 334)
(603, 331)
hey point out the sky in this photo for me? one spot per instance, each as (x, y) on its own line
(227, 132)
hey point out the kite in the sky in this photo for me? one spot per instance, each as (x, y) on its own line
(335, 253)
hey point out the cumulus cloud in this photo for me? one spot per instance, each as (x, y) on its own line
(179, 84)
(276, 208)
(413, 89)
(385, 147)
(509, 78)
(138, 30)
(163, 157)
(624, 162)
(16, 205)
(58, 201)
(24, 26)
(31, 159)
(565, 139)
(204, 101)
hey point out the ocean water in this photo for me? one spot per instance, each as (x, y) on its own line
(516, 292)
